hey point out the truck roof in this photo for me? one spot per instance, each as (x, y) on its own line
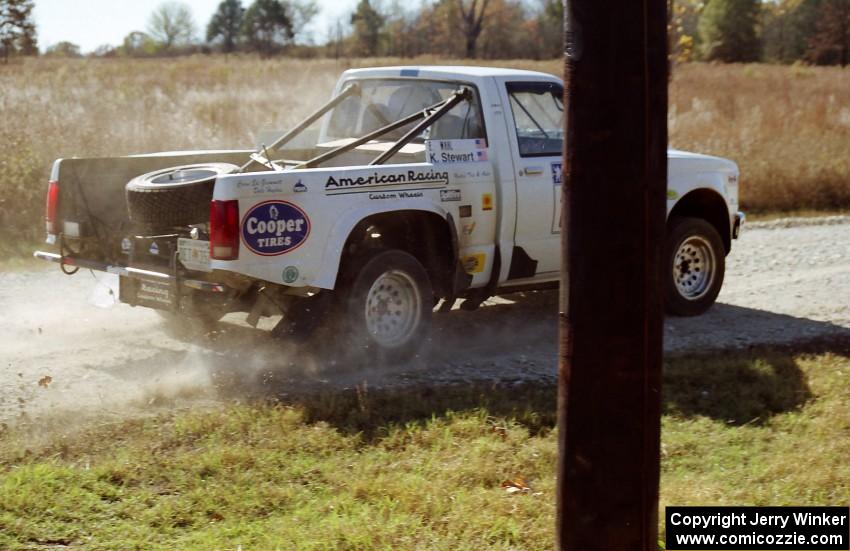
(450, 72)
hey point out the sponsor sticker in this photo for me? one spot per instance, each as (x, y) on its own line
(486, 201)
(557, 173)
(261, 185)
(273, 228)
(299, 187)
(290, 274)
(447, 195)
(474, 263)
(412, 179)
(465, 211)
(456, 151)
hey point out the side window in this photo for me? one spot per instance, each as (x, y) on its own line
(538, 112)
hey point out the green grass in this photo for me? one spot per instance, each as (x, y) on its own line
(417, 469)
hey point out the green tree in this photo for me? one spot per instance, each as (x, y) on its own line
(138, 44)
(17, 28)
(63, 49)
(171, 25)
(267, 26)
(778, 33)
(830, 43)
(727, 31)
(551, 24)
(368, 24)
(226, 24)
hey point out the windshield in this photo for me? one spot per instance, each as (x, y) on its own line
(383, 101)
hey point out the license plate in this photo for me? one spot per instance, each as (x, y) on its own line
(194, 254)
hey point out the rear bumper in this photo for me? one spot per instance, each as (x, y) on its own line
(134, 273)
(740, 217)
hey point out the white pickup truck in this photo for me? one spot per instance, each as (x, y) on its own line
(411, 185)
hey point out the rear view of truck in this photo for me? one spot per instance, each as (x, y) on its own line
(197, 235)
(144, 219)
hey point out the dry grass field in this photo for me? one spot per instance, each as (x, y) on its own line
(787, 127)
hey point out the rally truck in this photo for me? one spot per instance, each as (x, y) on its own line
(410, 189)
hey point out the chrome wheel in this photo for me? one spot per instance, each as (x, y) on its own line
(393, 309)
(694, 267)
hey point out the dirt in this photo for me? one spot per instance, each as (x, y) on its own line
(68, 351)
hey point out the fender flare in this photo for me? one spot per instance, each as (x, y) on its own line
(338, 235)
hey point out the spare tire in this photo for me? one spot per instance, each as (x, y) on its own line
(177, 196)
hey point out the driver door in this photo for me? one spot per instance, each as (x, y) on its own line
(537, 138)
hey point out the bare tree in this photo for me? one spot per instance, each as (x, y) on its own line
(171, 24)
(472, 21)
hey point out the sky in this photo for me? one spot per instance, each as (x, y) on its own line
(91, 23)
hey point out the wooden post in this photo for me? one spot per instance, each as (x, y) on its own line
(611, 317)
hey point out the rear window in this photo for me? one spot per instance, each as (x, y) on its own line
(383, 101)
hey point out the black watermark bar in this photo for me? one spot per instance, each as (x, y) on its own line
(757, 528)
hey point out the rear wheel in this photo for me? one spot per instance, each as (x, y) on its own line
(694, 267)
(386, 304)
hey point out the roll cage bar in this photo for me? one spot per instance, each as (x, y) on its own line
(427, 118)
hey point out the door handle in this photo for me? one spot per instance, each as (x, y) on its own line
(532, 171)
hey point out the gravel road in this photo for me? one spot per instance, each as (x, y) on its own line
(68, 352)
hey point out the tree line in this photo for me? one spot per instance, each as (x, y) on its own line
(783, 31)
(774, 31)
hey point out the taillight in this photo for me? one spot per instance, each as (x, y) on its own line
(52, 206)
(224, 230)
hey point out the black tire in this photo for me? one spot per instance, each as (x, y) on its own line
(376, 282)
(695, 263)
(177, 196)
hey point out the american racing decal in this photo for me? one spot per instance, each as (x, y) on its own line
(272, 228)
(399, 195)
(418, 180)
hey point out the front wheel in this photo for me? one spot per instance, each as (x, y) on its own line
(387, 305)
(694, 266)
